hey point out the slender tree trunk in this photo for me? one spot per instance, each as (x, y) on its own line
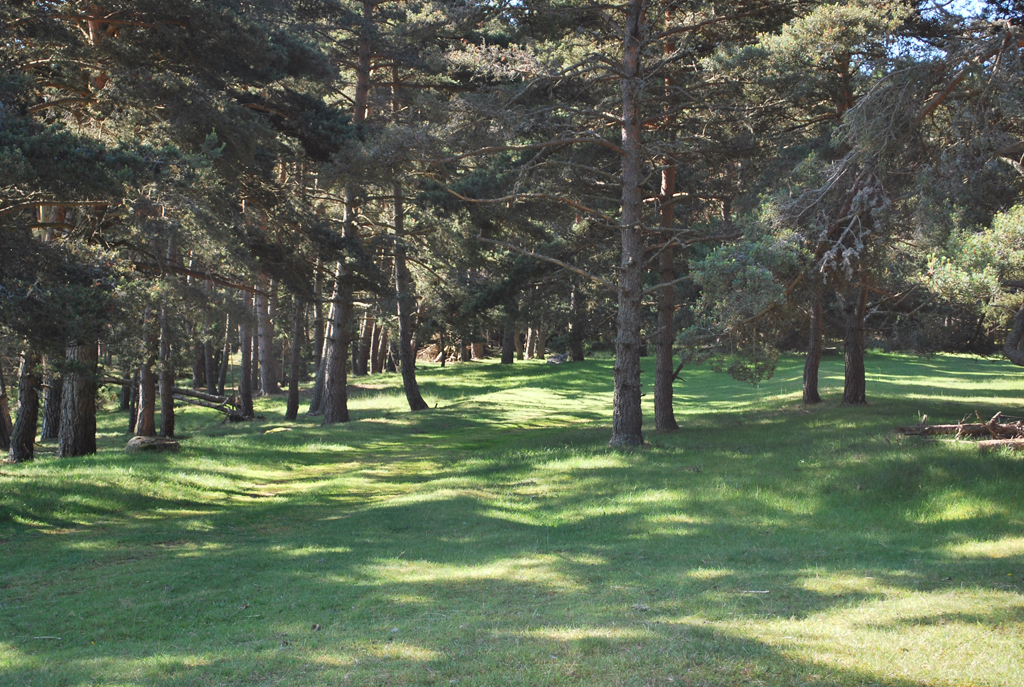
(5, 414)
(531, 343)
(23, 435)
(318, 320)
(406, 304)
(854, 311)
(245, 373)
(254, 372)
(380, 354)
(210, 363)
(392, 362)
(133, 403)
(362, 366)
(577, 324)
(664, 367)
(508, 345)
(517, 339)
(627, 416)
(225, 358)
(298, 319)
(198, 367)
(335, 388)
(78, 402)
(166, 377)
(145, 424)
(813, 361)
(268, 365)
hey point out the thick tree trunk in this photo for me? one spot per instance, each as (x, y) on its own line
(531, 343)
(245, 373)
(627, 416)
(465, 351)
(813, 361)
(406, 304)
(51, 403)
(298, 319)
(78, 403)
(664, 368)
(508, 346)
(166, 377)
(854, 311)
(542, 343)
(5, 414)
(577, 324)
(517, 339)
(268, 365)
(23, 435)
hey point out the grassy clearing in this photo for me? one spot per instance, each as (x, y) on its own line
(495, 540)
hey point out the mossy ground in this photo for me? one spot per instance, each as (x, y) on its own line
(496, 540)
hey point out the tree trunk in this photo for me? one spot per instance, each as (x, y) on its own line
(296, 361)
(531, 343)
(5, 414)
(406, 304)
(199, 367)
(577, 324)
(78, 403)
(664, 368)
(508, 346)
(517, 339)
(23, 435)
(365, 342)
(478, 350)
(335, 390)
(133, 403)
(542, 343)
(145, 423)
(225, 358)
(627, 416)
(254, 371)
(268, 365)
(318, 321)
(854, 311)
(392, 362)
(125, 396)
(52, 406)
(210, 363)
(166, 377)
(245, 373)
(813, 361)
(465, 351)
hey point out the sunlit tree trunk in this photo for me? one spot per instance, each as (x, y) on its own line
(813, 361)
(52, 392)
(296, 361)
(627, 417)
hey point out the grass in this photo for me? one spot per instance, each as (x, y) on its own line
(496, 540)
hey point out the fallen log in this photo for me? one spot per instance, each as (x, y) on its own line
(993, 428)
(232, 414)
(996, 444)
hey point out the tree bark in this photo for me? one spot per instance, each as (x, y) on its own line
(813, 361)
(254, 371)
(854, 311)
(78, 403)
(517, 339)
(465, 351)
(51, 404)
(199, 367)
(166, 377)
(406, 304)
(296, 361)
(245, 373)
(5, 414)
(318, 320)
(531, 343)
(23, 435)
(210, 363)
(627, 416)
(133, 403)
(542, 343)
(664, 368)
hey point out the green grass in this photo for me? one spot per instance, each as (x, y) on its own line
(496, 540)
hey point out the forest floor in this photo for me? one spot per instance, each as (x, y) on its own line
(496, 540)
